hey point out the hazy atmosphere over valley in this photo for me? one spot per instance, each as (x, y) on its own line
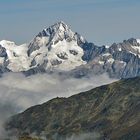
(52, 50)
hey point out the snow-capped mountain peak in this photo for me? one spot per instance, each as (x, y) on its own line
(57, 27)
(58, 32)
(55, 47)
(59, 46)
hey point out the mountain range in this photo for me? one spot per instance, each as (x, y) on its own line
(59, 49)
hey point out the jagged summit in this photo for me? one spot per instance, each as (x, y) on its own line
(60, 44)
(60, 31)
(58, 28)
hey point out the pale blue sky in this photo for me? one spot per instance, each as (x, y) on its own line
(99, 21)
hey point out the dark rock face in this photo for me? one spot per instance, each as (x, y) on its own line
(56, 62)
(3, 52)
(92, 51)
(3, 66)
(33, 63)
(111, 110)
(62, 55)
(73, 52)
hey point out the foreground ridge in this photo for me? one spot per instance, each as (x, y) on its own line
(111, 112)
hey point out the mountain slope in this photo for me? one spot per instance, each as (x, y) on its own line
(111, 111)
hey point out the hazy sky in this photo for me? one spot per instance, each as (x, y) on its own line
(99, 21)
